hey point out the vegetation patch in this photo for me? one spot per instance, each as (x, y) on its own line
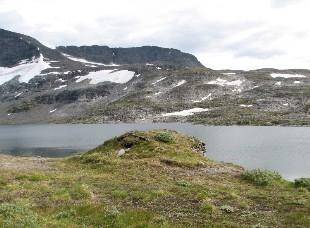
(12, 215)
(303, 182)
(164, 136)
(261, 177)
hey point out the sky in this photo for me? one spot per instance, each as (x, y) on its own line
(223, 34)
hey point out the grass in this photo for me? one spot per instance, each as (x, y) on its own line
(154, 184)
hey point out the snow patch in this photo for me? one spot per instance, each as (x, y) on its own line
(81, 60)
(297, 82)
(159, 80)
(237, 90)
(275, 75)
(26, 70)
(17, 95)
(223, 82)
(60, 87)
(278, 83)
(246, 106)
(229, 73)
(53, 110)
(60, 80)
(204, 98)
(180, 83)
(54, 72)
(188, 112)
(121, 76)
(52, 61)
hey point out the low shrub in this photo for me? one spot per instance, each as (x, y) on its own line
(65, 214)
(183, 183)
(302, 182)
(35, 176)
(80, 192)
(164, 136)
(261, 177)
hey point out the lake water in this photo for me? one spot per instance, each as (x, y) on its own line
(283, 149)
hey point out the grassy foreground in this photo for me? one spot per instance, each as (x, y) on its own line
(146, 179)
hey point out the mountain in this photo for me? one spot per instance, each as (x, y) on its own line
(97, 84)
(135, 55)
(14, 49)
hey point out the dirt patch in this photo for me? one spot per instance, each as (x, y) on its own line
(24, 163)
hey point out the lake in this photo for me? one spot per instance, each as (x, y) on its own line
(283, 149)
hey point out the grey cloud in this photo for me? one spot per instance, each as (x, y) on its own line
(256, 45)
(190, 34)
(259, 53)
(11, 20)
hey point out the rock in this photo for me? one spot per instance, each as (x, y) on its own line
(121, 152)
(227, 209)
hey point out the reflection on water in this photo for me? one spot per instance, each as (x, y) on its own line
(41, 151)
(284, 149)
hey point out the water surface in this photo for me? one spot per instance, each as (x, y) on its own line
(283, 149)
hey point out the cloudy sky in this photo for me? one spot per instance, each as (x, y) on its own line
(238, 34)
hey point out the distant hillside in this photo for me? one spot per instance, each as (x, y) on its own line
(134, 55)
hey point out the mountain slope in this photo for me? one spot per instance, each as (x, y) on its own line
(135, 55)
(15, 49)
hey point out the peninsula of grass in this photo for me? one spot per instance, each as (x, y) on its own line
(157, 178)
